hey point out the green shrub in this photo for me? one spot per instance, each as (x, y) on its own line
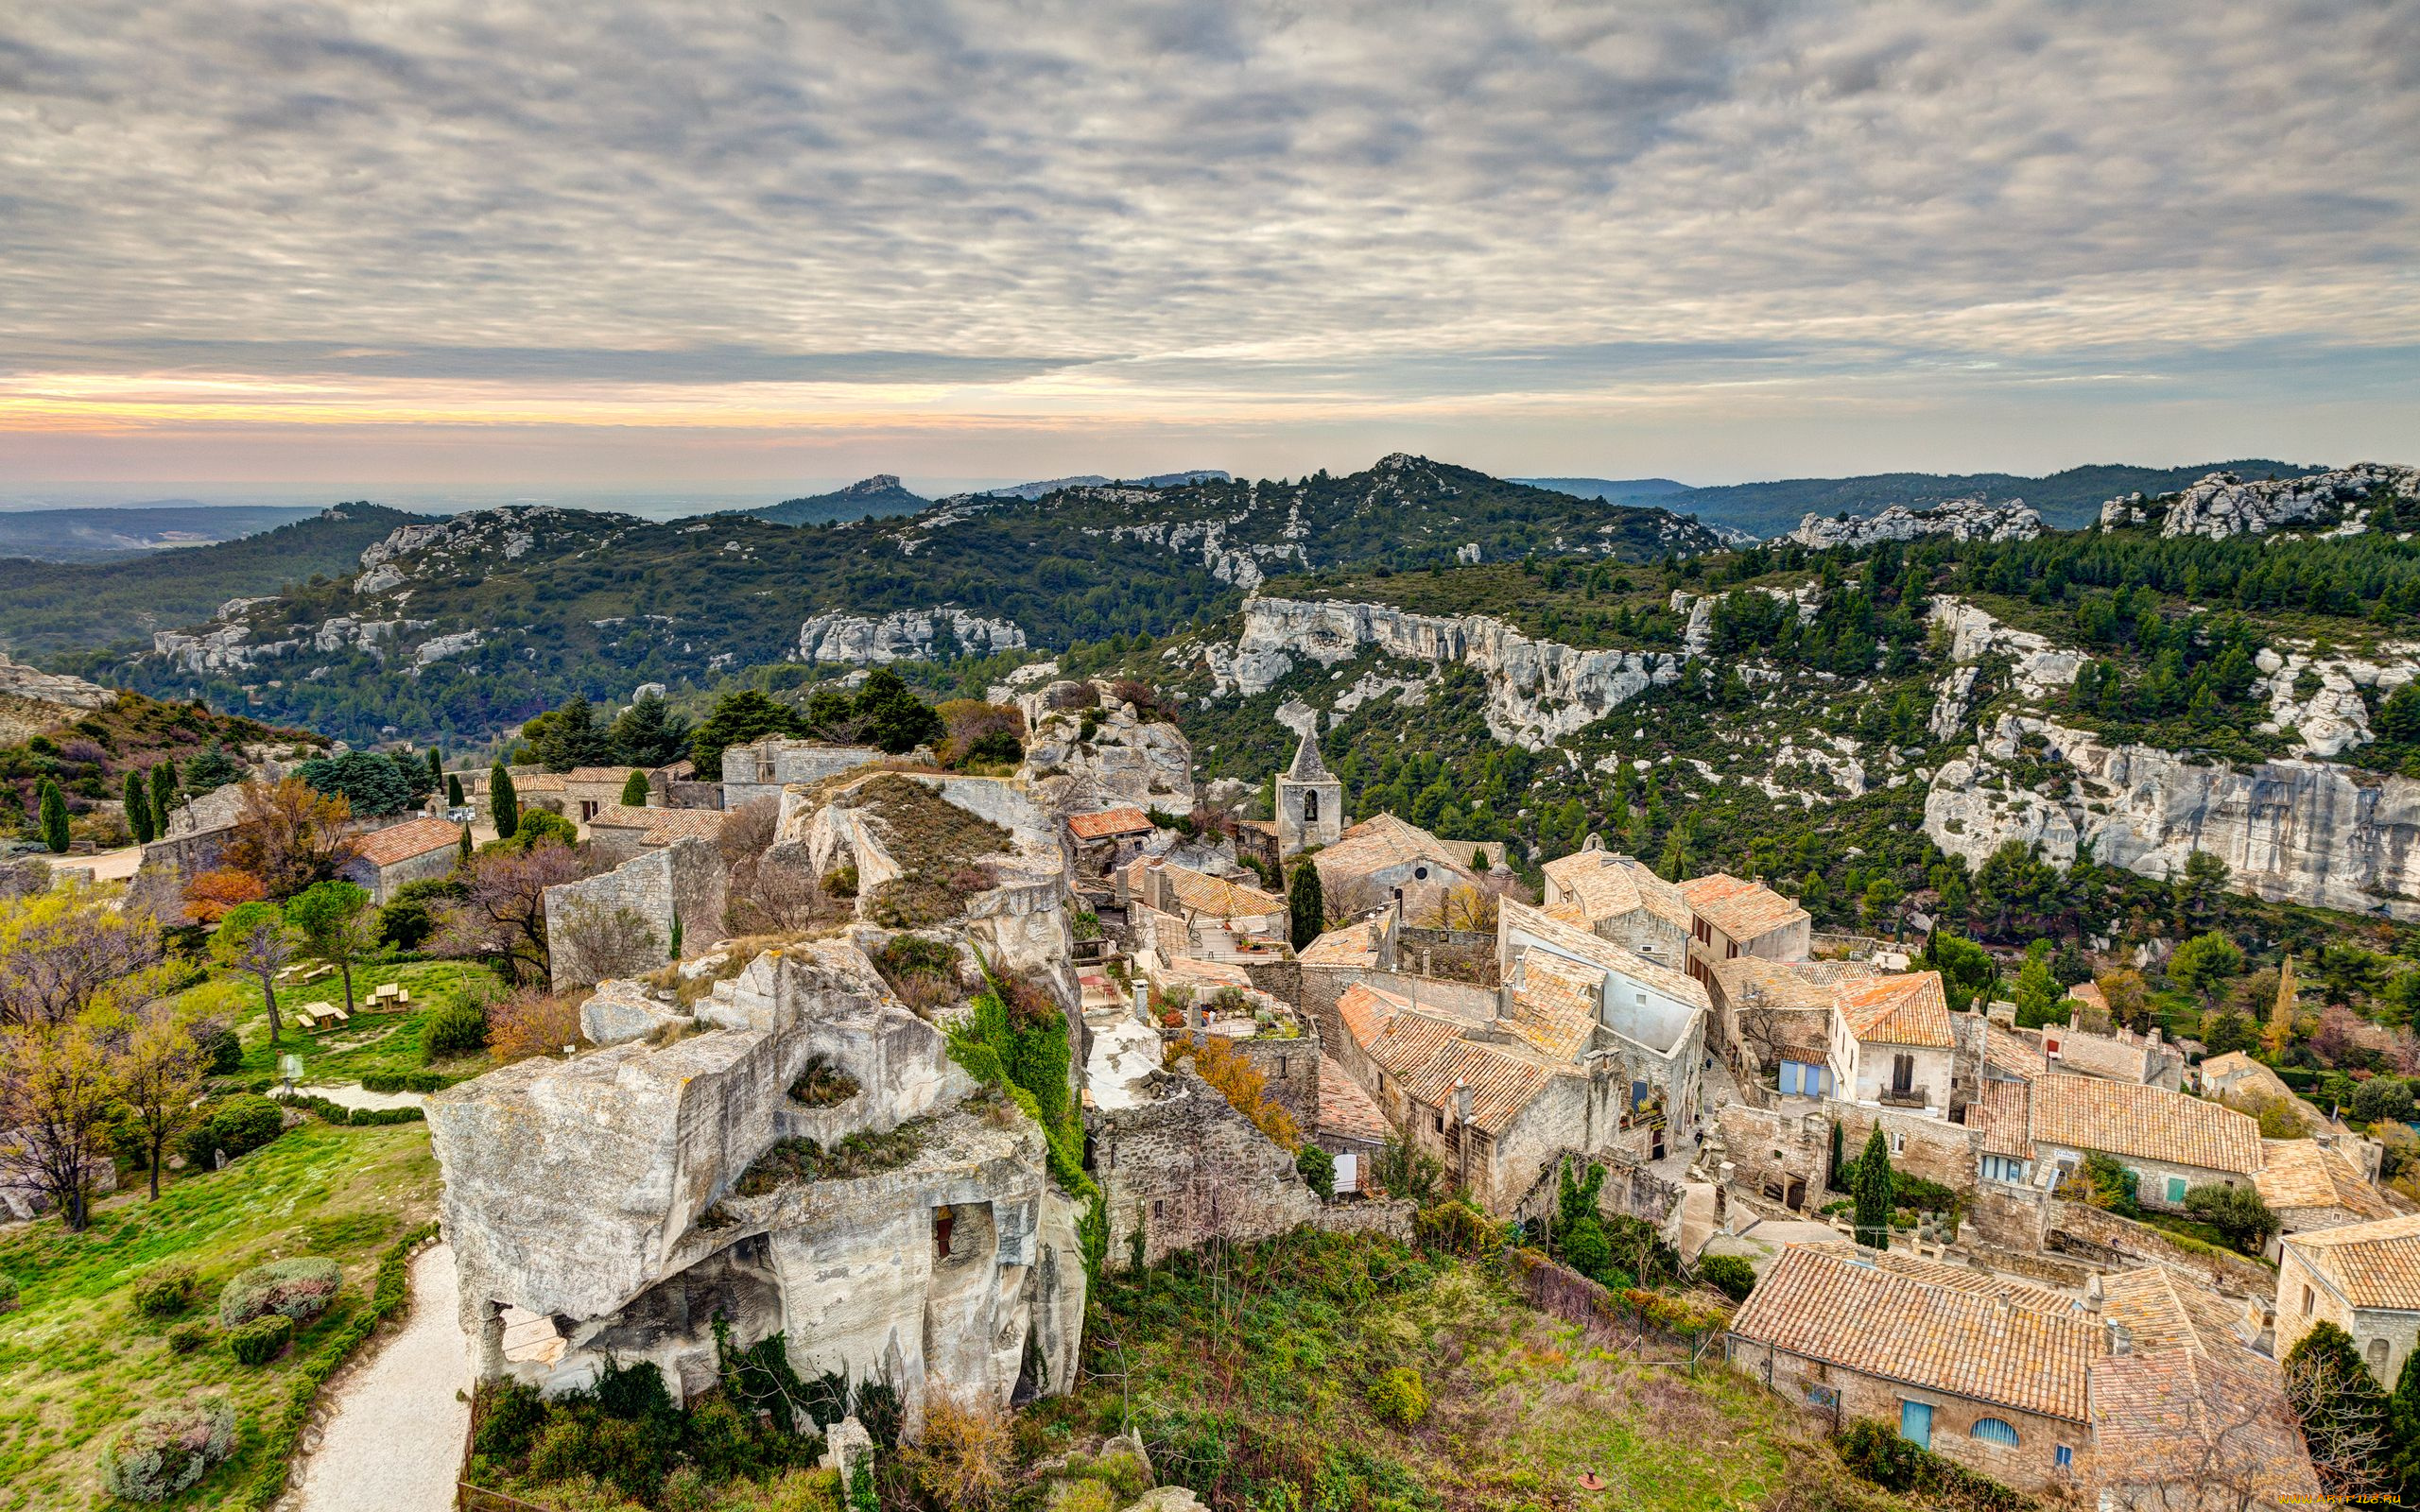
(8, 1294)
(510, 1418)
(1080, 1496)
(225, 1052)
(1731, 1274)
(300, 1289)
(1318, 1168)
(187, 1337)
(1872, 1452)
(1399, 1397)
(237, 1124)
(456, 1029)
(165, 1289)
(261, 1340)
(403, 1081)
(168, 1448)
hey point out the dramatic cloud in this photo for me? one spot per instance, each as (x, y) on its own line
(1329, 223)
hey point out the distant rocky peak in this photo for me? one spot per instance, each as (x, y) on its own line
(879, 483)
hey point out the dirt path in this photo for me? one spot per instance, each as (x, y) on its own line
(393, 1432)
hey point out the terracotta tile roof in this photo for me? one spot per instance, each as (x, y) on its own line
(1555, 1006)
(1354, 944)
(413, 837)
(2000, 1114)
(2211, 1427)
(1898, 1010)
(2010, 1051)
(1197, 892)
(1742, 910)
(1430, 1056)
(2371, 1265)
(2300, 1174)
(1957, 1278)
(2097, 1054)
(1753, 982)
(1345, 1109)
(1601, 885)
(1383, 840)
(1108, 822)
(661, 827)
(2146, 1302)
(2149, 1122)
(1874, 1321)
(538, 783)
(599, 774)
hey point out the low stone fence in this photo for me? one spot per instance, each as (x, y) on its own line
(1661, 1328)
(2091, 1235)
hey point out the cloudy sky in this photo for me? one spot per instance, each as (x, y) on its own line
(438, 243)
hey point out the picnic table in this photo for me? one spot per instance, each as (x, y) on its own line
(315, 1017)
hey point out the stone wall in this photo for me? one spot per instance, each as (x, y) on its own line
(687, 879)
(2114, 1242)
(1629, 1191)
(1291, 1068)
(1455, 955)
(1183, 1168)
(762, 768)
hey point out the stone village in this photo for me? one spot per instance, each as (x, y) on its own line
(1693, 1040)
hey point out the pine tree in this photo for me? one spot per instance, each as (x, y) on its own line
(502, 801)
(138, 808)
(1872, 1188)
(164, 795)
(54, 817)
(1308, 907)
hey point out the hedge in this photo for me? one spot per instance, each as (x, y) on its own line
(388, 1295)
(404, 1081)
(338, 1113)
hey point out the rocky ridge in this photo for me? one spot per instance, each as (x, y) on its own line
(2223, 505)
(907, 635)
(1958, 519)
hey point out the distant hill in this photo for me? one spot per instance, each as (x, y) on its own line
(880, 495)
(50, 607)
(110, 533)
(1095, 480)
(2065, 500)
(461, 628)
(1613, 490)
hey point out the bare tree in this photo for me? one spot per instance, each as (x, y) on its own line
(775, 893)
(158, 1077)
(1465, 908)
(594, 941)
(255, 939)
(750, 830)
(503, 912)
(55, 1094)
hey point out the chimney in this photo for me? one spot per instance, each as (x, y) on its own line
(1143, 1001)
(1462, 1101)
(2121, 1338)
(2092, 1293)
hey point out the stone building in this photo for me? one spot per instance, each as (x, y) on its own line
(414, 850)
(1310, 801)
(1896, 1035)
(1385, 862)
(1992, 1373)
(2311, 1184)
(686, 881)
(763, 767)
(2365, 1277)
(1619, 898)
(618, 832)
(627, 1197)
(1108, 839)
(589, 791)
(1731, 918)
(2171, 1141)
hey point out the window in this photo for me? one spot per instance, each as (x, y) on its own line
(2065, 1457)
(1420, 873)
(1438, 1118)
(2007, 1168)
(2176, 1190)
(2307, 1301)
(1992, 1430)
(1155, 1210)
(1641, 997)
(1899, 1143)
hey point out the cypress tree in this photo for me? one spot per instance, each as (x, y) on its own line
(1873, 1188)
(502, 802)
(1308, 908)
(453, 791)
(164, 795)
(436, 768)
(465, 847)
(2403, 1428)
(676, 935)
(138, 808)
(54, 817)
(2342, 1411)
(1832, 1172)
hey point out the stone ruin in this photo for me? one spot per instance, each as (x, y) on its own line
(624, 1199)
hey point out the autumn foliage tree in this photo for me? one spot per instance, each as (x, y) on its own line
(290, 836)
(62, 950)
(158, 1078)
(55, 1098)
(211, 894)
(1216, 1062)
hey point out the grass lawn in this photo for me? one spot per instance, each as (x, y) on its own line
(77, 1361)
(373, 1042)
(1249, 1377)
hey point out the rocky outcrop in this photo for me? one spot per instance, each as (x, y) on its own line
(1538, 691)
(2223, 505)
(18, 680)
(2333, 716)
(1128, 755)
(612, 1193)
(2296, 831)
(907, 635)
(1958, 519)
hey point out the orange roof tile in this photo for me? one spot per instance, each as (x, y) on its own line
(1898, 1010)
(2300, 1174)
(1555, 1006)
(2371, 1265)
(1383, 840)
(1353, 944)
(1873, 1320)
(1999, 1116)
(1742, 910)
(1601, 885)
(1430, 1056)
(414, 838)
(2214, 1427)
(1108, 822)
(1345, 1109)
(2150, 1122)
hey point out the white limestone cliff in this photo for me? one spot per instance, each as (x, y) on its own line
(907, 635)
(2223, 505)
(1958, 519)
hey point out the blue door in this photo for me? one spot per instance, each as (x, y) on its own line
(1915, 1424)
